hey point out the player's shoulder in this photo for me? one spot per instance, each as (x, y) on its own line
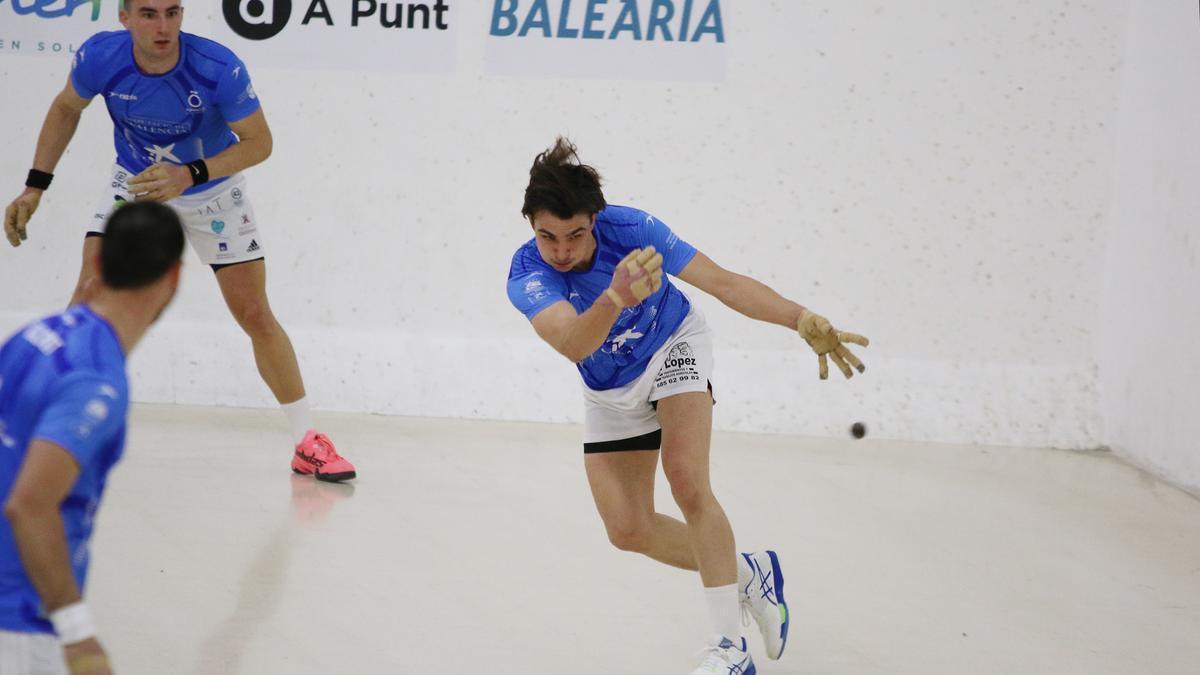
(208, 58)
(527, 260)
(102, 47)
(92, 344)
(623, 225)
(206, 47)
(622, 216)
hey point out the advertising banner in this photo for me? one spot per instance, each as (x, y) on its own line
(53, 27)
(618, 39)
(357, 35)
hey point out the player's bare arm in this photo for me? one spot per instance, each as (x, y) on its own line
(32, 510)
(57, 131)
(165, 181)
(577, 336)
(756, 300)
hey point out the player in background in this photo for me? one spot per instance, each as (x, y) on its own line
(186, 122)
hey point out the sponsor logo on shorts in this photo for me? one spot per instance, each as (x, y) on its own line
(212, 208)
(253, 246)
(218, 226)
(222, 247)
(236, 193)
(680, 366)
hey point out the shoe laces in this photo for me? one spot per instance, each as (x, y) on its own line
(716, 659)
(326, 445)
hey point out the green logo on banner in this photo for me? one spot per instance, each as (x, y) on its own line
(53, 9)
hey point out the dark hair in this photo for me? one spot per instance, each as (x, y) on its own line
(142, 241)
(561, 184)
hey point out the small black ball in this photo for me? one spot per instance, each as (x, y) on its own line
(858, 430)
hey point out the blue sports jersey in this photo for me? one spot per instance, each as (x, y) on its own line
(533, 285)
(179, 116)
(62, 379)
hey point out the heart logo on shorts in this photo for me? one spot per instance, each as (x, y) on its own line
(218, 226)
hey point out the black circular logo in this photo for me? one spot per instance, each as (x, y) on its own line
(257, 19)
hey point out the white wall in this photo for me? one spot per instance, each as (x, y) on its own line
(936, 176)
(1149, 366)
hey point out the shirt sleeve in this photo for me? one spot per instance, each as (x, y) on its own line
(84, 75)
(86, 414)
(236, 98)
(676, 252)
(533, 291)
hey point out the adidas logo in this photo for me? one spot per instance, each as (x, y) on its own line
(253, 246)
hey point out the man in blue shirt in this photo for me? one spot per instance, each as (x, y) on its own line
(186, 122)
(591, 283)
(64, 401)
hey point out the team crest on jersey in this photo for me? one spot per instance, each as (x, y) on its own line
(194, 102)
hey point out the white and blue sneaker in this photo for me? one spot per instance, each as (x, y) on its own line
(760, 585)
(724, 657)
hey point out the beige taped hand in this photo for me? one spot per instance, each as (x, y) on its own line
(828, 343)
(17, 215)
(636, 278)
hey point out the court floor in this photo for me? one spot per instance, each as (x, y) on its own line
(473, 547)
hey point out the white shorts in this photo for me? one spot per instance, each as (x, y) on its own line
(219, 222)
(618, 419)
(30, 654)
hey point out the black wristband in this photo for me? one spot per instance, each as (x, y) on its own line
(199, 171)
(38, 179)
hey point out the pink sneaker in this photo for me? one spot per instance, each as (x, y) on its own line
(316, 455)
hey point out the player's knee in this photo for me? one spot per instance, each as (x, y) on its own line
(690, 492)
(255, 317)
(627, 533)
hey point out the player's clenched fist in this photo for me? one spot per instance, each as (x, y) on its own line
(17, 215)
(827, 343)
(636, 278)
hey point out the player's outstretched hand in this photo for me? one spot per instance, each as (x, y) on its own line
(160, 182)
(828, 343)
(636, 278)
(86, 658)
(18, 213)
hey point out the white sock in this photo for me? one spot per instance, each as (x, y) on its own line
(724, 611)
(299, 418)
(745, 575)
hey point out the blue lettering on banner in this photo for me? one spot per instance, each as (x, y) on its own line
(649, 20)
(53, 9)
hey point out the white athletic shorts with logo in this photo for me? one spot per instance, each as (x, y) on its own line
(30, 654)
(683, 364)
(219, 222)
